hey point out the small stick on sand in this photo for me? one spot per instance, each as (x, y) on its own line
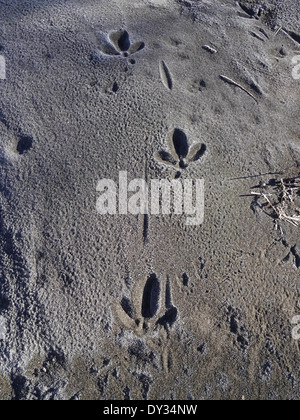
(278, 30)
(270, 204)
(209, 49)
(232, 82)
(279, 211)
(265, 196)
(260, 194)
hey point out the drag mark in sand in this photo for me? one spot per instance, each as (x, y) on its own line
(255, 35)
(262, 35)
(165, 75)
(247, 10)
(293, 35)
(145, 227)
(145, 217)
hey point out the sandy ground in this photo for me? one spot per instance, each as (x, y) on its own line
(129, 307)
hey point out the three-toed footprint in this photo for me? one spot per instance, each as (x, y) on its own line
(181, 154)
(118, 44)
(156, 308)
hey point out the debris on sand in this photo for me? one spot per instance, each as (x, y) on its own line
(283, 203)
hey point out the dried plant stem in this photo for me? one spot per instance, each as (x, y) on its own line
(232, 82)
(280, 211)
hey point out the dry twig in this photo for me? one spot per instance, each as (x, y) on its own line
(232, 82)
(287, 190)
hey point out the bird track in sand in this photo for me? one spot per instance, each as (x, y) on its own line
(181, 154)
(152, 312)
(119, 44)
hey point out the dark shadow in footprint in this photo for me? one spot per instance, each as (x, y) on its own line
(120, 45)
(24, 145)
(181, 153)
(197, 152)
(170, 317)
(165, 157)
(151, 296)
(115, 87)
(185, 279)
(121, 40)
(180, 143)
(127, 307)
(138, 46)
